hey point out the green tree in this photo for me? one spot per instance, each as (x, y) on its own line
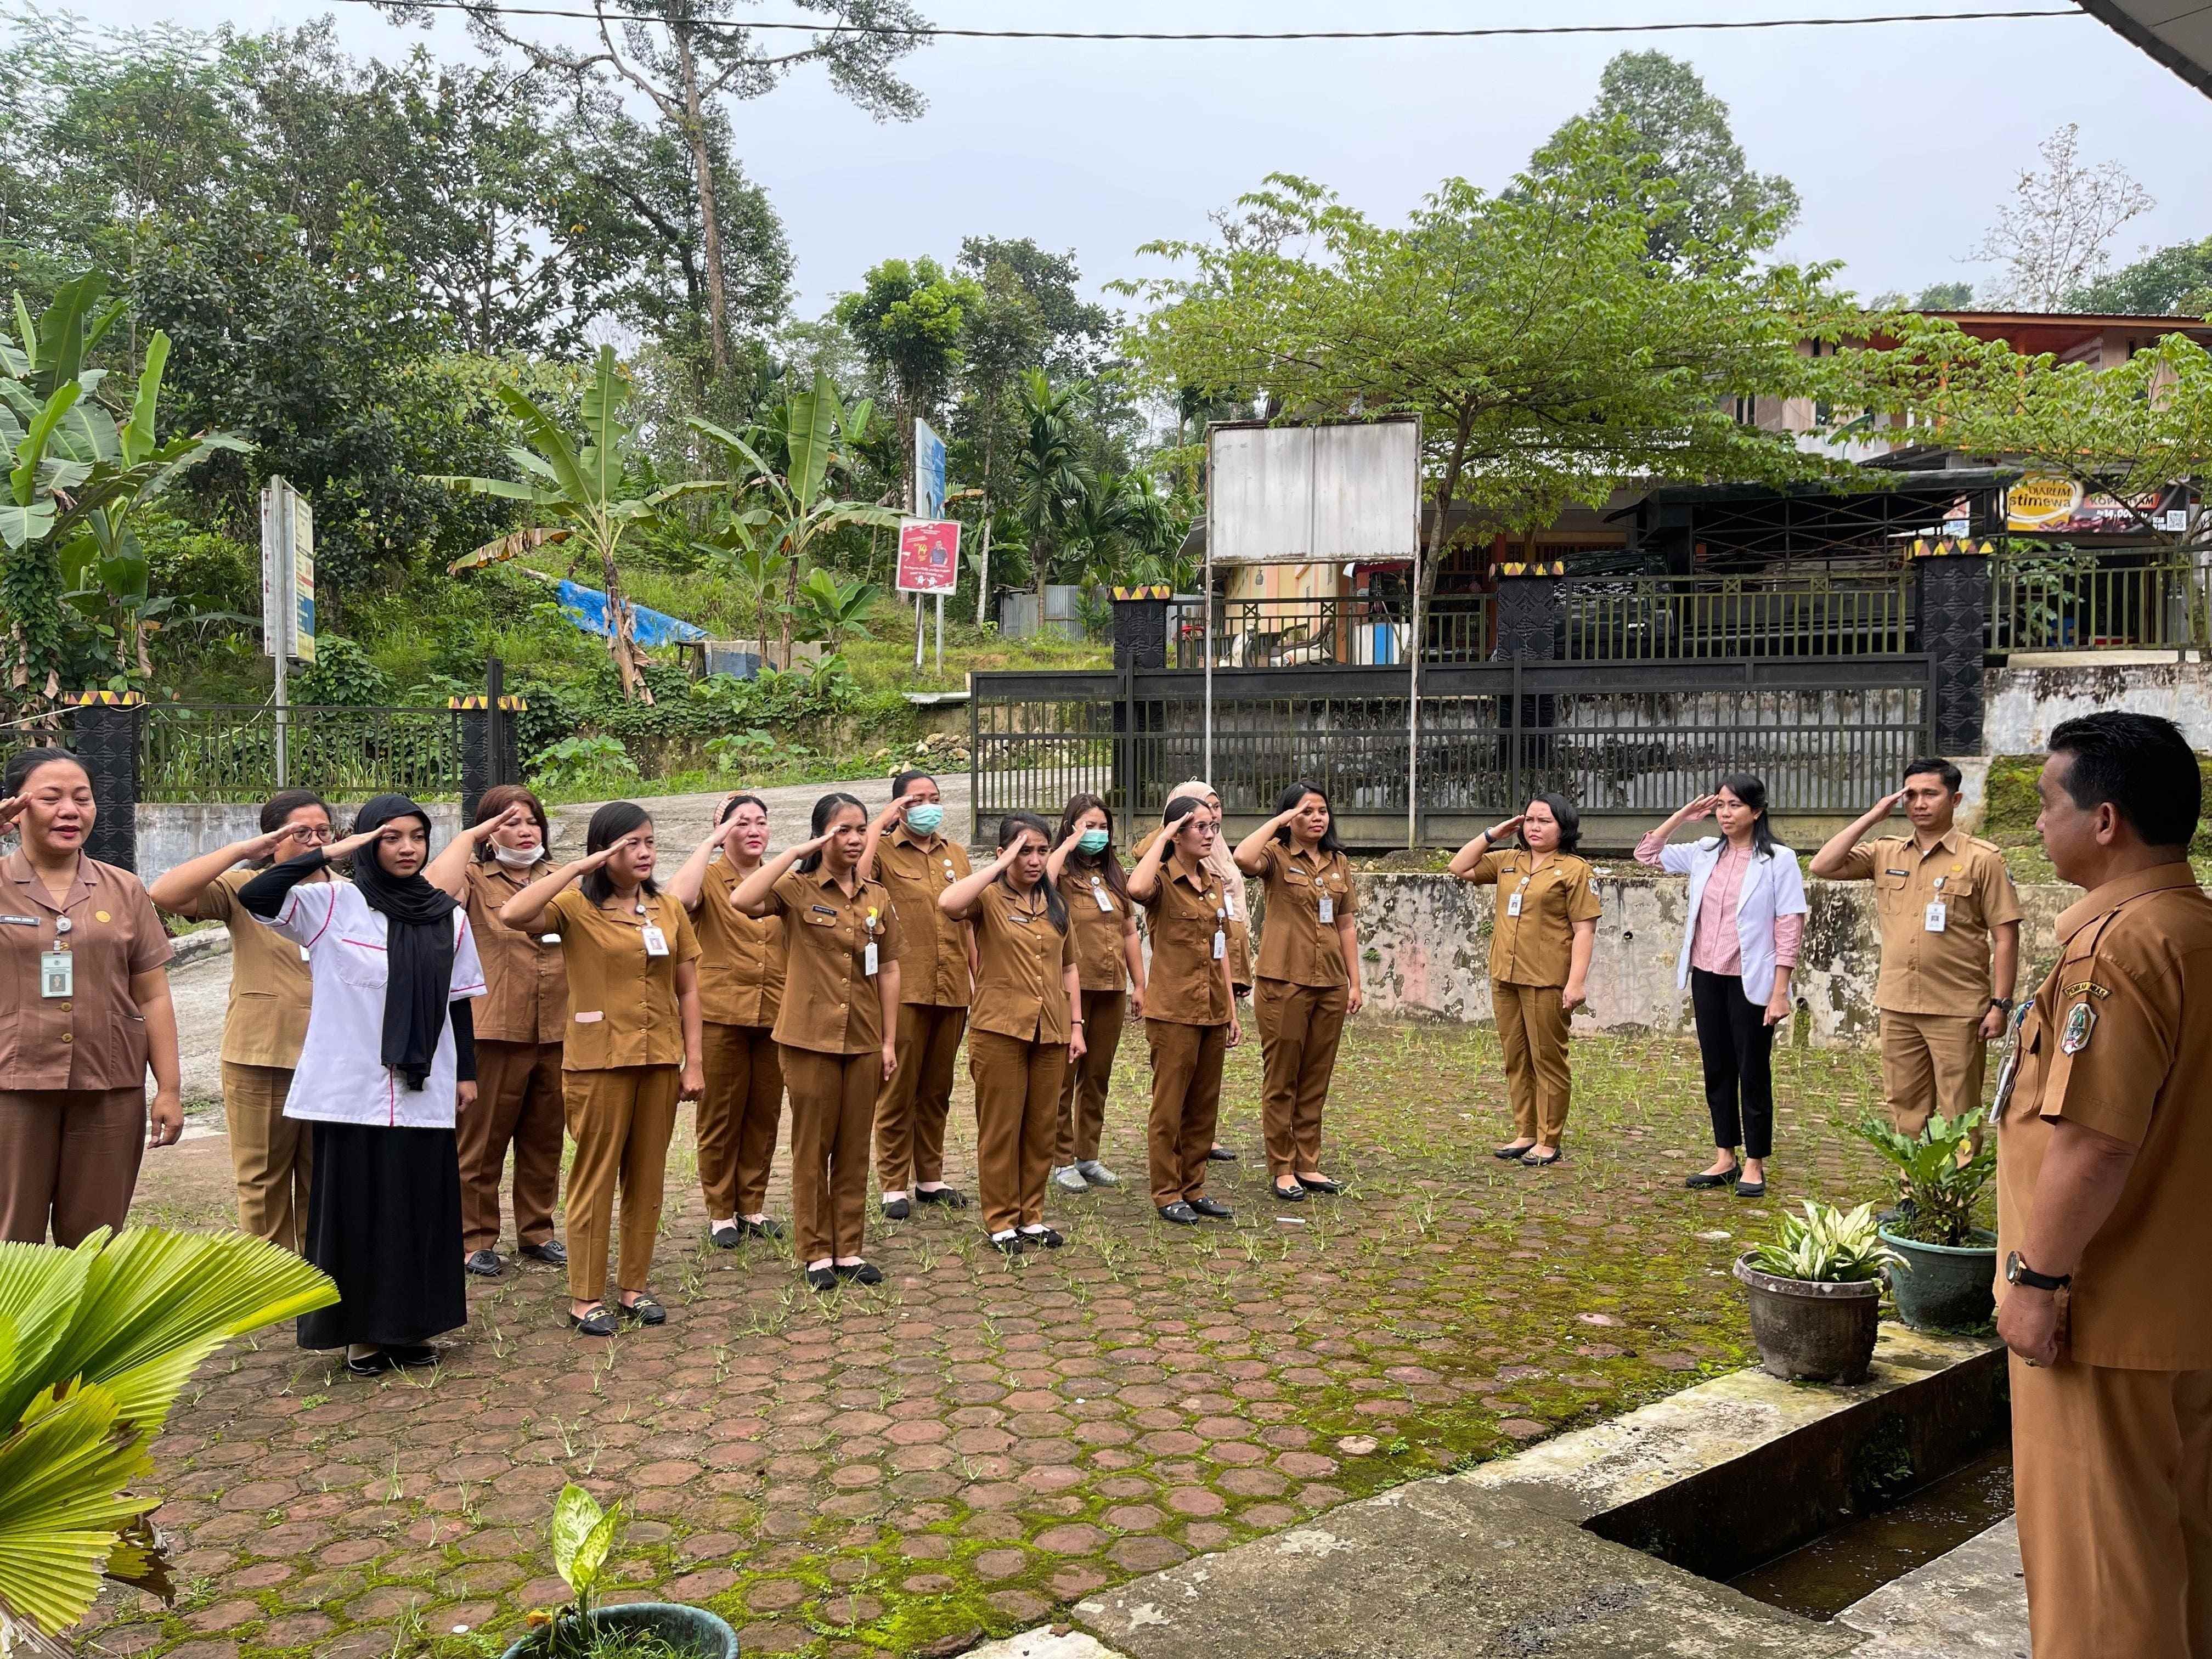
(2173, 280)
(1945, 296)
(907, 318)
(1051, 476)
(1074, 336)
(1674, 139)
(1550, 360)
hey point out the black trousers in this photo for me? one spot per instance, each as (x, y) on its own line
(1737, 1047)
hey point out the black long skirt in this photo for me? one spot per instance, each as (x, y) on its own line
(384, 1221)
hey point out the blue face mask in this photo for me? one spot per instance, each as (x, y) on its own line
(924, 820)
(1093, 841)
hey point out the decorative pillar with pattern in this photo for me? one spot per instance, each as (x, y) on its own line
(489, 749)
(1527, 610)
(1140, 627)
(107, 735)
(1952, 599)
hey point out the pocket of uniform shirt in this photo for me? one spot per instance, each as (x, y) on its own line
(813, 921)
(360, 962)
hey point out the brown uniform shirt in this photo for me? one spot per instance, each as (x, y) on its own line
(1239, 920)
(933, 954)
(1184, 986)
(94, 1037)
(1537, 946)
(831, 1003)
(527, 996)
(1021, 990)
(1923, 972)
(272, 987)
(740, 957)
(1296, 946)
(1098, 933)
(2118, 1039)
(623, 1009)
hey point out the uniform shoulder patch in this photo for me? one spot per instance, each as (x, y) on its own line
(2081, 987)
(2080, 1021)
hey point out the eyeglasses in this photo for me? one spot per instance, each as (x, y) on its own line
(307, 832)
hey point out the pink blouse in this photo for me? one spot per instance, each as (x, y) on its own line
(1713, 945)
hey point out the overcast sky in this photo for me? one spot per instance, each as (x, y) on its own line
(1901, 138)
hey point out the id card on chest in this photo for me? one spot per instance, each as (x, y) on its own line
(57, 974)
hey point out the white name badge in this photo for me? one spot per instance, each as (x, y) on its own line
(57, 974)
(306, 955)
(1513, 904)
(1099, 892)
(1220, 944)
(656, 942)
(868, 960)
(1328, 910)
(1937, 916)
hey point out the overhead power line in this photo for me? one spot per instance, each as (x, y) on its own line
(931, 31)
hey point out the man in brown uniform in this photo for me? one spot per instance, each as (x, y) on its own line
(905, 852)
(2104, 1163)
(1949, 920)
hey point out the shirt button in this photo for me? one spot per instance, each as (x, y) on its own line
(65, 1036)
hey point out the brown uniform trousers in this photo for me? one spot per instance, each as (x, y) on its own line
(738, 1118)
(1082, 1113)
(1017, 1090)
(1531, 1031)
(71, 1161)
(833, 1099)
(1300, 1027)
(1931, 1061)
(620, 1119)
(520, 1101)
(912, 1108)
(272, 1156)
(1187, 1061)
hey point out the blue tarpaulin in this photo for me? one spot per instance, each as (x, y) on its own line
(586, 607)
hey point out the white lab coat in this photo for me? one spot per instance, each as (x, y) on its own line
(1772, 887)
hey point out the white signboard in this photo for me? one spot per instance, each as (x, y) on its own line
(928, 472)
(1344, 492)
(287, 573)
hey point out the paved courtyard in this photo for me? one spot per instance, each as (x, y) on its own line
(978, 1442)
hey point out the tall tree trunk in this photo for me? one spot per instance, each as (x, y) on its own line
(702, 166)
(790, 603)
(622, 629)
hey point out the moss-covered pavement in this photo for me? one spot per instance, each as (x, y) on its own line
(978, 1442)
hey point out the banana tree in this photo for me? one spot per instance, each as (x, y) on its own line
(833, 607)
(589, 489)
(797, 507)
(96, 1343)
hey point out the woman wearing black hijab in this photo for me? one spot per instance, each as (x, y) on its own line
(390, 1052)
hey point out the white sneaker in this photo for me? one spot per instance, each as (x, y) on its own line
(1097, 1174)
(1069, 1179)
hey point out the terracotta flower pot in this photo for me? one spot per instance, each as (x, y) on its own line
(1812, 1332)
(692, 1631)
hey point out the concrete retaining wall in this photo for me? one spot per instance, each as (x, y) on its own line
(170, 832)
(2023, 704)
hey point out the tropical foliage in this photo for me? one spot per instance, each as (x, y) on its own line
(96, 1345)
(582, 1535)
(1944, 1173)
(1827, 1245)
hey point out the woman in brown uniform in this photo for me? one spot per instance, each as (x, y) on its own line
(1027, 1031)
(836, 1029)
(1540, 957)
(520, 1025)
(86, 1010)
(740, 993)
(632, 1049)
(1104, 922)
(1190, 1013)
(916, 863)
(265, 1019)
(1232, 888)
(1308, 979)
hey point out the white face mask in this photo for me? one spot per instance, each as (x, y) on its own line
(517, 858)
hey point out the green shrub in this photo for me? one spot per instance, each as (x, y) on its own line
(1826, 1246)
(1944, 1174)
(583, 763)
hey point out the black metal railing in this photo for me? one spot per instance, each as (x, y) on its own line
(2099, 602)
(1691, 618)
(246, 751)
(1358, 633)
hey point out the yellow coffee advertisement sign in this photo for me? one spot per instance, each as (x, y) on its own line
(2036, 501)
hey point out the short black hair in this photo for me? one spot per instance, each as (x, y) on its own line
(277, 809)
(1565, 815)
(2142, 764)
(1296, 794)
(24, 762)
(610, 824)
(1954, 779)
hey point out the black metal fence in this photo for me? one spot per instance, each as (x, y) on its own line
(1626, 742)
(246, 751)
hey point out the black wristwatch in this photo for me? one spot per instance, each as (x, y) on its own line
(2003, 1005)
(2017, 1271)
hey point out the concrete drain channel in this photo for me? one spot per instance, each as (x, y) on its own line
(1743, 1515)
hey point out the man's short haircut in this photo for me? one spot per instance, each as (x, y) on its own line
(2140, 763)
(1951, 776)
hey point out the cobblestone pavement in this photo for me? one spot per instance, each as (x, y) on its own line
(978, 1442)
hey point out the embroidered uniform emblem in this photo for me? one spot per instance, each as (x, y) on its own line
(2080, 1021)
(2087, 988)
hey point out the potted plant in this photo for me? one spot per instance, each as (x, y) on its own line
(583, 1536)
(1815, 1293)
(1946, 1280)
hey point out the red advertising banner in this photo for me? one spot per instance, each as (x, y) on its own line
(929, 555)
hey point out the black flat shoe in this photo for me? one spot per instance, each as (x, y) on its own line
(950, 1197)
(822, 1279)
(1179, 1213)
(413, 1356)
(1320, 1184)
(897, 1209)
(1290, 1194)
(1534, 1163)
(1211, 1207)
(553, 1253)
(1009, 1245)
(771, 1228)
(1219, 1155)
(728, 1239)
(1697, 1181)
(1751, 1189)
(1512, 1154)
(644, 1311)
(485, 1264)
(598, 1322)
(375, 1364)
(1043, 1237)
(861, 1273)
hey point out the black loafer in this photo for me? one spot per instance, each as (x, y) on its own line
(861, 1273)
(1179, 1213)
(598, 1322)
(1699, 1181)
(644, 1311)
(950, 1197)
(1751, 1189)
(1009, 1245)
(728, 1239)
(770, 1228)
(1511, 1154)
(1044, 1237)
(897, 1209)
(485, 1264)
(1219, 1155)
(1213, 1207)
(553, 1253)
(822, 1279)
(373, 1365)
(1536, 1163)
(1320, 1184)
(1290, 1194)
(413, 1356)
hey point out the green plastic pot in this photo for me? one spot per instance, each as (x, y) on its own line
(692, 1631)
(1944, 1287)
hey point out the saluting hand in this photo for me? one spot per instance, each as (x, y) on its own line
(805, 848)
(271, 846)
(1700, 808)
(516, 815)
(1888, 804)
(1503, 832)
(595, 861)
(11, 808)
(352, 844)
